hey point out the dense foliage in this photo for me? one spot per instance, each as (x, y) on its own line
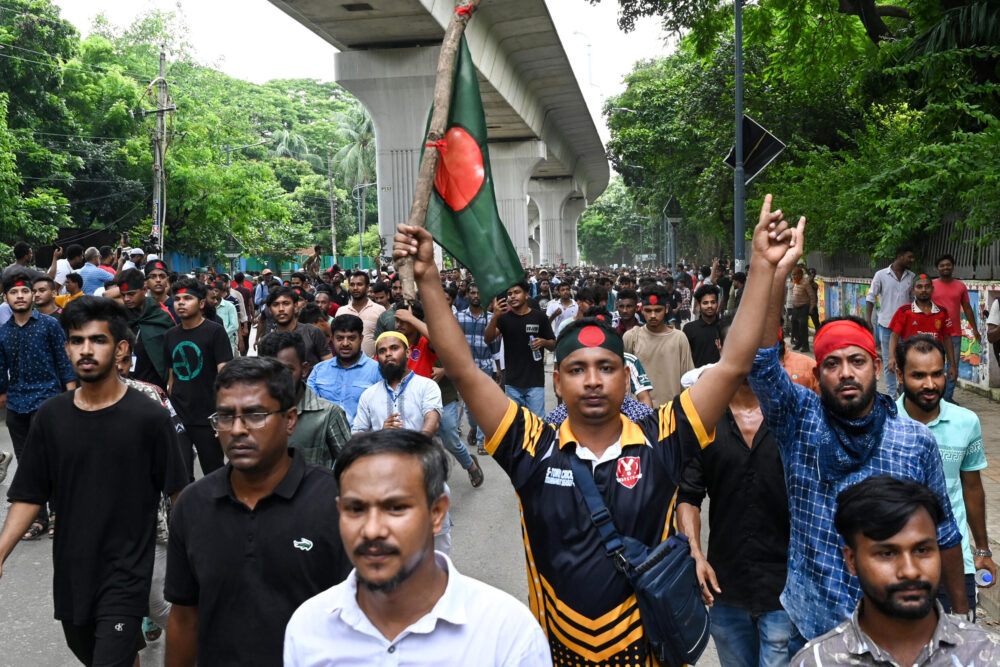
(891, 114)
(243, 159)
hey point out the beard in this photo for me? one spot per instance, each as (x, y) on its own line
(917, 399)
(392, 372)
(851, 408)
(885, 602)
(393, 582)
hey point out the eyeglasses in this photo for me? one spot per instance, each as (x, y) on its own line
(251, 420)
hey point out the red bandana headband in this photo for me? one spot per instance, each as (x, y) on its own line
(182, 290)
(840, 334)
(19, 283)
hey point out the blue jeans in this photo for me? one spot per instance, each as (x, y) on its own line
(480, 438)
(746, 639)
(532, 398)
(449, 436)
(890, 378)
(949, 387)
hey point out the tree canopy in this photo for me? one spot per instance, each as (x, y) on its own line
(889, 111)
(75, 149)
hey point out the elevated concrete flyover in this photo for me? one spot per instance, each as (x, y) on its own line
(543, 142)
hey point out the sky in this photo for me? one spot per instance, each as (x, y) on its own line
(255, 41)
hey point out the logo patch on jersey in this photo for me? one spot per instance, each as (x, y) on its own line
(937, 323)
(628, 473)
(559, 477)
(415, 354)
(303, 544)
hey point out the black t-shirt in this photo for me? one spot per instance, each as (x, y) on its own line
(704, 340)
(194, 356)
(340, 298)
(249, 570)
(103, 471)
(520, 367)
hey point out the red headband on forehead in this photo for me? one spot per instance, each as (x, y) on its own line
(19, 283)
(840, 334)
(182, 290)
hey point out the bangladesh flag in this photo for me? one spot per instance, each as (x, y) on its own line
(462, 213)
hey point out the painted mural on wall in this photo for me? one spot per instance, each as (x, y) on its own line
(842, 297)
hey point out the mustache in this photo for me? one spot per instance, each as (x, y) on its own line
(86, 359)
(375, 547)
(850, 383)
(909, 586)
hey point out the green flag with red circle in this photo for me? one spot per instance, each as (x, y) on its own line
(462, 213)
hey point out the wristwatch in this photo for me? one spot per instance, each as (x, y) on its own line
(983, 552)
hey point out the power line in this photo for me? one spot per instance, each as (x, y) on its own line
(72, 136)
(60, 21)
(94, 232)
(70, 179)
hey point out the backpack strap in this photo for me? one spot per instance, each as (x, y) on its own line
(583, 478)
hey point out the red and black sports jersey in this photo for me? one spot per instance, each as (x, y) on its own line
(586, 607)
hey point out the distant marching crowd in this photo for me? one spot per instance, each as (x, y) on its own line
(847, 526)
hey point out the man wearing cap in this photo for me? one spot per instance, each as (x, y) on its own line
(829, 442)
(402, 399)
(586, 605)
(136, 259)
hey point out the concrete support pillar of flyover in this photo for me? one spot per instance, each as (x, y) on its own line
(512, 165)
(550, 195)
(572, 210)
(397, 88)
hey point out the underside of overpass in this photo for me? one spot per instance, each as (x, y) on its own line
(543, 142)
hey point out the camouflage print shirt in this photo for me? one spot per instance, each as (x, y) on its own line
(956, 643)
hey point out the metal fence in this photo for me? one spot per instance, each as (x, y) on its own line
(972, 261)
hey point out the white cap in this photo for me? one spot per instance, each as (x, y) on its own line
(135, 251)
(151, 258)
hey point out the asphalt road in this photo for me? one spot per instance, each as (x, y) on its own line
(486, 544)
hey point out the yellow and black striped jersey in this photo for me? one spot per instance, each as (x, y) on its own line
(586, 607)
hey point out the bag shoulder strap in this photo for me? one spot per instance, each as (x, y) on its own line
(583, 478)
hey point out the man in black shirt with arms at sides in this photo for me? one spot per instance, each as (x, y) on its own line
(585, 605)
(704, 333)
(102, 454)
(195, 351)
(744, 574)
(526, 332)
(252, 541)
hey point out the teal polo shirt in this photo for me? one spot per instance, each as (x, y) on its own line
(960, 440)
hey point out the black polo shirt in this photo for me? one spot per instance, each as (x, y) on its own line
(248, 570)
(704, 340)
(748, 516)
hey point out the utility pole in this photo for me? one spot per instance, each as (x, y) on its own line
(333, 207)
(161, 141)
(739, 182)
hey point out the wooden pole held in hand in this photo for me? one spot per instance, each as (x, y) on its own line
(439, 123)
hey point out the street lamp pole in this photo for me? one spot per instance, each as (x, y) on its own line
(739, 205)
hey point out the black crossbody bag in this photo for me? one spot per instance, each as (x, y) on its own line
(664, 579)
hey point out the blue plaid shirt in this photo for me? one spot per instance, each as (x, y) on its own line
(819, 591)
(474, 329)
(33, 362)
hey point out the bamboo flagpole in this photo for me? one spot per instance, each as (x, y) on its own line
(435, 133)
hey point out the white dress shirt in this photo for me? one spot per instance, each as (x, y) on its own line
(414, 397)
(471, 624)
(892, 293)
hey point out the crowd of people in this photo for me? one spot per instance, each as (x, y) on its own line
(256, 467)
